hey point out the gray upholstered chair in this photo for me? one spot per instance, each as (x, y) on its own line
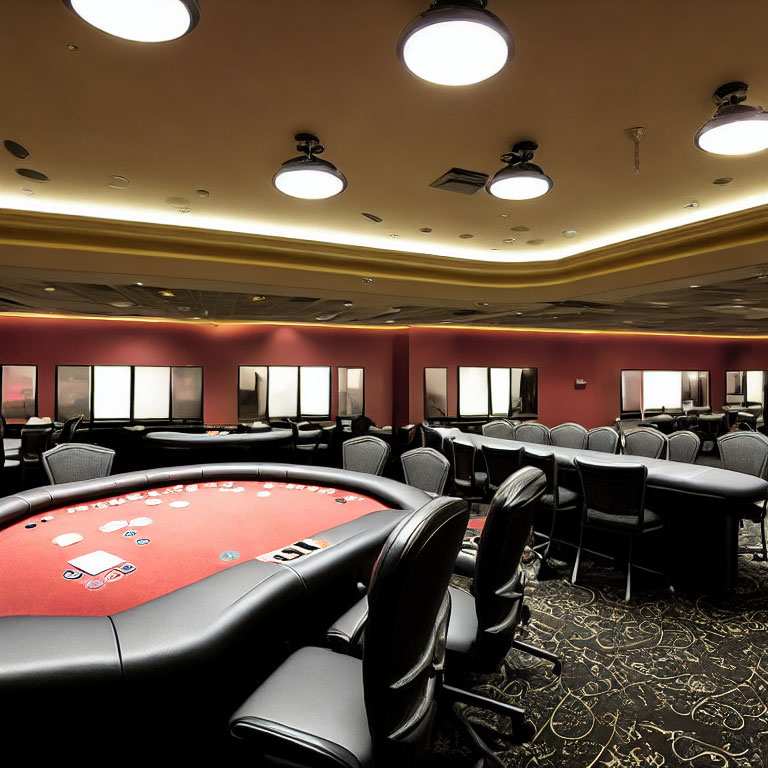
(684, 446)
(568, 435)
(614, 501)
(500, 428)
(532, 432)
(427, 469)
(646, 441)
(556, 498)
(378, 710)
(604, 439)
(501, 462)
(747, 452)
(71, 462)
(367, 454)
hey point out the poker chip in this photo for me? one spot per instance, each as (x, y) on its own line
(113, 576)
(140, 522)
(229, 555)
(269, 485)
(191, 488)
(340, 501)
(263, 494)
(153, 502)
(179, 504)
(129, 534)
(126, 567)
(238, 489)
(142, 542)
(153, 493)
(46, 519)
(113, 525)
(94, 584)
(31, 525)
(71, 575)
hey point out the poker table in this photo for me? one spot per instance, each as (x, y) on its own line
(702, 506)
(177, 587)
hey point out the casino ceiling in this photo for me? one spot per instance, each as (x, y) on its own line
(160, 159)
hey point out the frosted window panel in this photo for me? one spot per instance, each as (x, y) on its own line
(351, 391)
(73, 391)
(19, 385)
(252, 392)
(187, 393)
(754, 386)
(662, 389)
(473, 391)
(631, 388)
(500, 391)
(315, 390)
(283, 391)
(111, 392)
(151, 393)
(435, 393)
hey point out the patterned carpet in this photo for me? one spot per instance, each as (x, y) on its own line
(667, 680)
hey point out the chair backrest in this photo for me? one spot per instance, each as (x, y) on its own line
(367, 454)
(432, 438)
(613, 494)
(532, 432)
(568, 435)
(499, 428)
(463, 464)
(605, 439)
(306, 433)
(645, 441)
(711, 424)
(404, 639)
(547, 463)
(72, 462)
(360, 425)
(684, 446)
(35, 440)
(70, 427)
(501, 463)
(745, 452)
(427, 469)
(496, 587)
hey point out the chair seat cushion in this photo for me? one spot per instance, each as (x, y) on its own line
(462, 628)
(621, 521)
(309, 711)
(566, 498)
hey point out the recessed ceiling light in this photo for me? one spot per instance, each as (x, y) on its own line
(121, 304)
(518, 313)
(139, 284)
(692, 204)
(694, 286)
(569, 232)
(258, 298)
(503, 215)
(202, 193)
(367, 280)
(508, 240)
(73, 47)
(466, 236)
(519, 228)
(735, 129)
(326, 316)
(29, 192)
(481, 303)
(144, 21)
(348, 304)
(118, 182)
(49, 289)
(372, 217)
(307, 176)
(425, 230)
(723, 180)
(455, 43)
(29, 173)
(534, 242)
(16, 149)
(389, 321)
(521, 179)
(167, 294)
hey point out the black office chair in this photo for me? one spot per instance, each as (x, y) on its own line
(555, 499)
(8, 466)
(469, 482)
(427, 469)
(360, 425)
(747, 452)
(500, 428)
(709, 427)
(365, 454)
(501, 462)
(72, 462)
(647, 442)
(604, 439)
(533, 432)
(67, 432)
(684, 446)
(614, 501)
(331, 710)
(35, 441)
(568, 435)
(307, 440)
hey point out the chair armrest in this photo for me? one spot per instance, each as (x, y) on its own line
(345, 635)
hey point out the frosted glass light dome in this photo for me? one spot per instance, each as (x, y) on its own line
(145, 21)
(513, 184)
(309, 183)
(455, 43)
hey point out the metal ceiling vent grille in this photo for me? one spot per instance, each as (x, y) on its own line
(462, 181)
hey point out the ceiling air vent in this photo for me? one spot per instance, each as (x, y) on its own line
(461, 181)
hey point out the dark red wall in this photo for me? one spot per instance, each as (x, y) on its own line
(394, 360)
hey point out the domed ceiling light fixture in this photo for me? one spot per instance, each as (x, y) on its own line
(735, 129)
(455, 42)
(144, 21)
(307, 176)
(521, 179)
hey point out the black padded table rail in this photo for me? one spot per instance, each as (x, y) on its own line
(193, 653)
(702, 506)
(202, 440)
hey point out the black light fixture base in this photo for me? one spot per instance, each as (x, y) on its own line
(522, 152)
(730, 93)
(309, 144)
